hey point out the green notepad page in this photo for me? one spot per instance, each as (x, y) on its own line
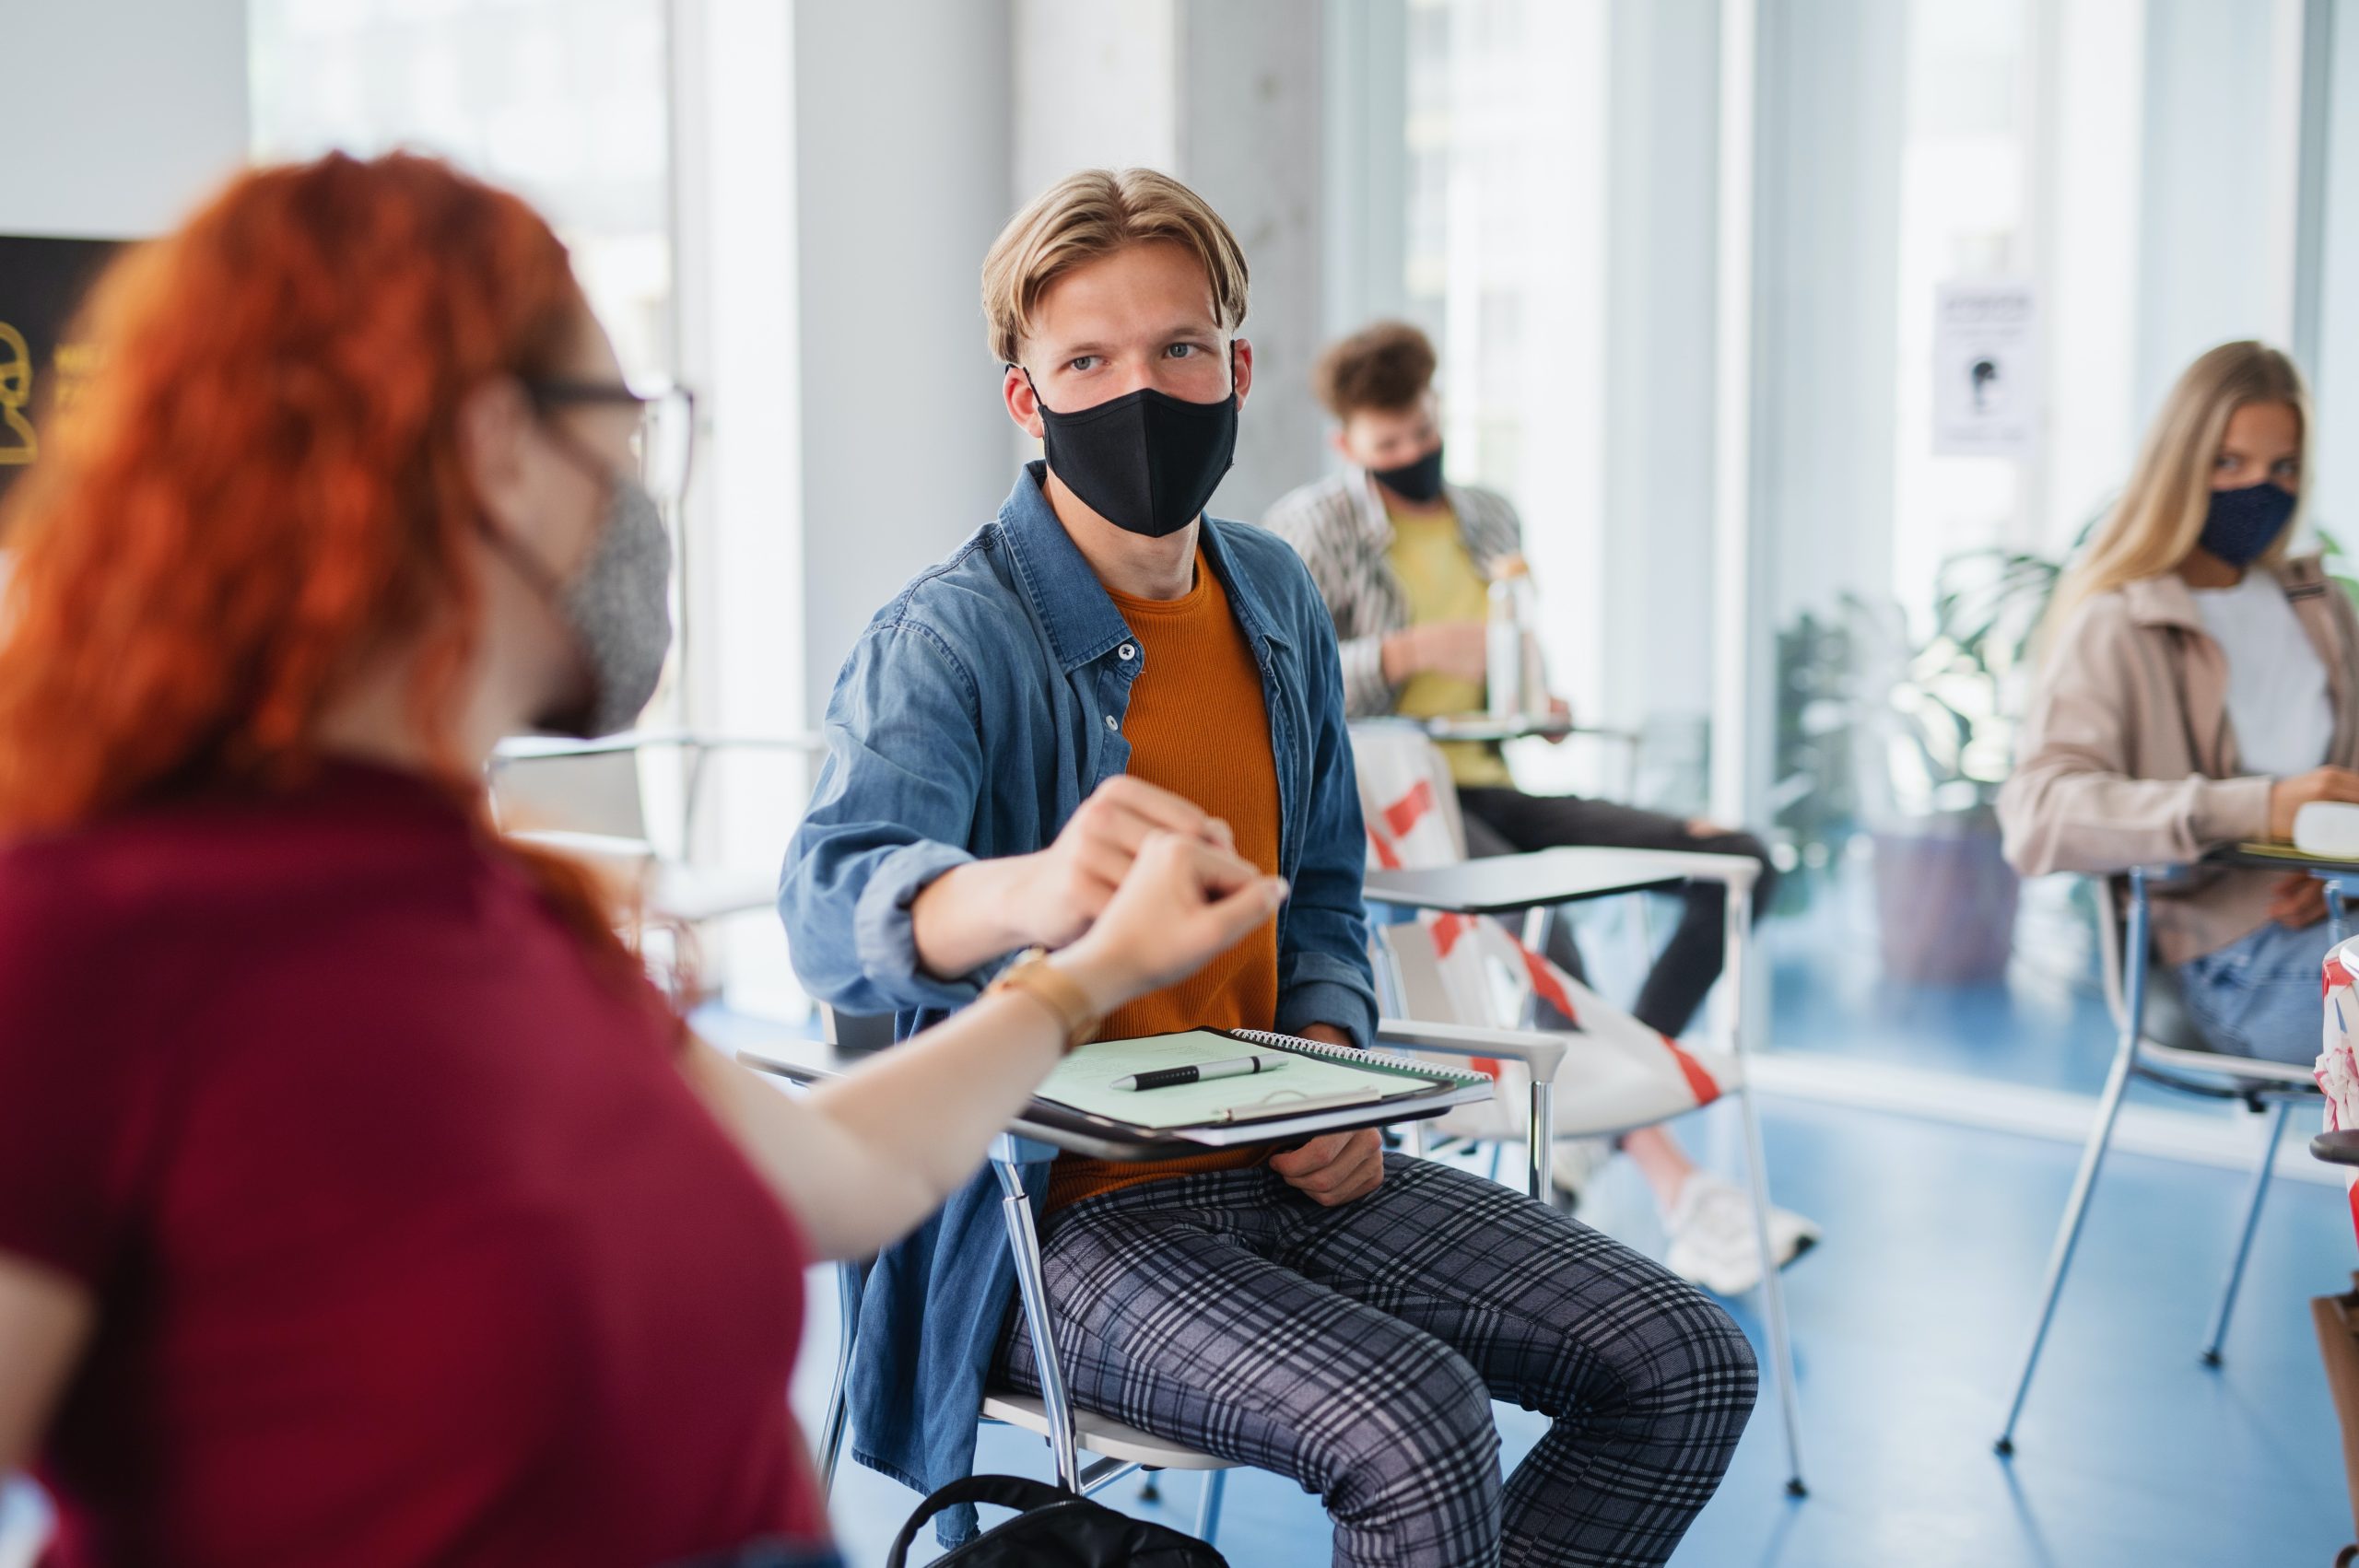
(1084, 1080)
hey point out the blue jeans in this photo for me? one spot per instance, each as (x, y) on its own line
(2262, 996)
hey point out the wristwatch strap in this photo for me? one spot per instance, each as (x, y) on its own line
(1054, 989)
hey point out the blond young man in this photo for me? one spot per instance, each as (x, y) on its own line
(1403, 558)
(1100, 661)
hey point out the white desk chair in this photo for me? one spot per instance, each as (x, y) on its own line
(1069, 1431)
(2156, 1041)
(1466, 973)
(587, 797)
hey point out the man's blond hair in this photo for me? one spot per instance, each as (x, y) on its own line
(1096, 212)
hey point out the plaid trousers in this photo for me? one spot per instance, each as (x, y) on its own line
(1357, 1350)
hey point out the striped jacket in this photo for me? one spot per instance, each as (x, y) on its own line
(1337, 525)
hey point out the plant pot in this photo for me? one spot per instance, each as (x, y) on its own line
(1945, 900)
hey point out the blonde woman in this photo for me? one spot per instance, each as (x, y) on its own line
(2196, 690)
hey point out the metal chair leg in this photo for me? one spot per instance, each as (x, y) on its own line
(1208, 1506)
(2244, 1237)
(1537, 922)
(1536, 1137)
(1773, 1296)
(2117, 1084)
(1023, 1242)
(831, 1437)
(1736, 952)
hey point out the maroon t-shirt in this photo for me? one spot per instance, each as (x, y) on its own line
(410, 1242)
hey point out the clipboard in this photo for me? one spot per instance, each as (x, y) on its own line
(1228, 1111)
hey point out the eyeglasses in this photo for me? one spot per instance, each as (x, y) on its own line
(665, 438)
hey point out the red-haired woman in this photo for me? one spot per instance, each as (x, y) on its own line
(359, 1200)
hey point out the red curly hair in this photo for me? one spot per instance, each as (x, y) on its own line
(261, 489)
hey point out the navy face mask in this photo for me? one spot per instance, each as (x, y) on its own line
(1145, 461)
(2243, 523)
(1419, 481)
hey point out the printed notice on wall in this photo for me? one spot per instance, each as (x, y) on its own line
(42, 371)
(1986, 369)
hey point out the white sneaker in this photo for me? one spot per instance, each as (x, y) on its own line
(1712, 1245)
(1572, 1161)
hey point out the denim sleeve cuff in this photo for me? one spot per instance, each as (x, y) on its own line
(885, 937)
(1346, 1004)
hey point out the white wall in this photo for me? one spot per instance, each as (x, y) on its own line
(1827, 237)
(120, 114)
(2335, 376)
(1097, 87)
(2086, 235)
(1250, 131)
(1823, 342)
(1365, 105)
(1225, 95)
(1655, 552)
(2216, 235)
(903, 129)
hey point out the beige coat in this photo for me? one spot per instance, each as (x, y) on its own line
(2127, 759)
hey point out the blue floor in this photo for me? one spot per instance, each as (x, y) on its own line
(2044, 1026)
(1908, 1320)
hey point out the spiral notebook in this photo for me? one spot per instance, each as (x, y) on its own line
(1314, 1077)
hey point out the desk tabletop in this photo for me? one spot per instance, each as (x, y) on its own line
(1489, 727)
(1077, 1133)
(2279, 858)
(1504, 882)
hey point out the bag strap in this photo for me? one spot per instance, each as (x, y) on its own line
(1019, 1492)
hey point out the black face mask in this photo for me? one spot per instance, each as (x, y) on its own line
(1145, 461)
(1419, 481)
(2242, 524)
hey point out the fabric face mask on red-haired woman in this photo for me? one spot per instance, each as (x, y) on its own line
(618, 609)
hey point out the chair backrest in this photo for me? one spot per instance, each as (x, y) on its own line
(1616, 1073)
(1407, 799)
(857, 1031)
(593, 792)
(2165, 1021)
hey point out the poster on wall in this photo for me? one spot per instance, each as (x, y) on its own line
(41, 369)
(1986, 368)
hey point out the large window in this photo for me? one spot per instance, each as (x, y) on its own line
(1712, 287)
(569, 103)
(1504, 266)
(561, 101)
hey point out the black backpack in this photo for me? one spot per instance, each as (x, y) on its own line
(1052, 1528)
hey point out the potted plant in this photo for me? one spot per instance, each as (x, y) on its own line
(1814, 800)
(1937, 739)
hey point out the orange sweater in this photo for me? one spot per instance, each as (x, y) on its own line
(1197, 727)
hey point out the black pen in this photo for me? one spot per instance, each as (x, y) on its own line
(1172, 1077)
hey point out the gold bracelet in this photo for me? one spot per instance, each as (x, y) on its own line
(1054, 989)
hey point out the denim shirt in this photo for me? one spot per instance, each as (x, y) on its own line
(976, 713)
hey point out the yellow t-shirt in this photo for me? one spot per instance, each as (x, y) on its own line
(1438, 576)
